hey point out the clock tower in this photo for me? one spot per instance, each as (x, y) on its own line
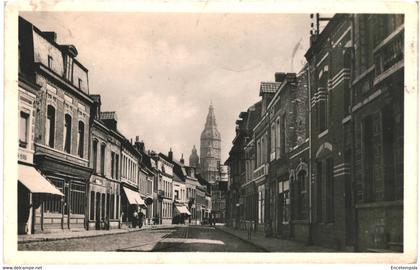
(210, 148)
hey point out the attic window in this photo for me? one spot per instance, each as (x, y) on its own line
(50, 61)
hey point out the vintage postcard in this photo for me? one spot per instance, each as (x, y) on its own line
(232, 131)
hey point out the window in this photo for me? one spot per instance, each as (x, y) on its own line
(112, 164)
(77, 198)
(50, 126)
(319, 192)
(284, 200)
(92, 205)
(368, 157)
(102, 159)
(283, 135)
(261, 204)
(95, 155)
(301, 198)
(52, 203)
(50, 61)
(23, 129)
(329, 189)
(117, 165)
(322, 114)
(176, 195)
(273, 138)
(81, 139)
(80, 83)
(67, 133)
(278, 138)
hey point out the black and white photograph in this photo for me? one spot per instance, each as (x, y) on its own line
(213, 133)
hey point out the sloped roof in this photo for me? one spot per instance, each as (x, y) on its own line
(269, 87)
(254, 115)
(108, 115)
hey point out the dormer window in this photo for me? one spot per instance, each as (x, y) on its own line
(80, 83)
(50, 61)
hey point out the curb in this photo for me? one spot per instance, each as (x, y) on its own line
(47, 239)
(245, 240)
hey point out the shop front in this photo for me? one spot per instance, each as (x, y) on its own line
(33, 189)
(104, 203)
(133, 207)
(181, 213)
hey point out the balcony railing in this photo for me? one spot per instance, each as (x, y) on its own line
(261, 171)
(389, 54)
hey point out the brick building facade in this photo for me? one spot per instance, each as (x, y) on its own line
(324, 163)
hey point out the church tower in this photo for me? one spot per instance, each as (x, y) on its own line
(210, 148)
(194, 159)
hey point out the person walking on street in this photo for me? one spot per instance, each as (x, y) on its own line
(135, 218)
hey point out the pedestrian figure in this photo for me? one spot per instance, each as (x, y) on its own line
(141, 215)
(249, 225)
(135, 217)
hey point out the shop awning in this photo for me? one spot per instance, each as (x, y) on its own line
(133, 197)
(35, 182)
(182, 209)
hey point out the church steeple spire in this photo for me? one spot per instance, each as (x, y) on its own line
(211, 119)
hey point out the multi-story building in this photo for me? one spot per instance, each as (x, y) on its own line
(62, 127)
(32, 186)
(164, 202)
(180, 200)
(104, 189)
(191, 183)
(376, 115)
(146, 181)
(131, 201)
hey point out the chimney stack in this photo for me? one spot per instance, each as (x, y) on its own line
(279, 76)
(182, 158)
(170, 154)
(51, 36)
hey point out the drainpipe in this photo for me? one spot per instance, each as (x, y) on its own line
(310, 152)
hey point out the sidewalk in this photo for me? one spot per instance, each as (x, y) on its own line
(270, 244)
(81, 233)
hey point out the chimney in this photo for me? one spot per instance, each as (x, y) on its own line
(182, 159)
(279, 76)
(139, 145)
(170, 154)
(50, 36)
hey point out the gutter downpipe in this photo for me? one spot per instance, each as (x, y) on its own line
(310, 153)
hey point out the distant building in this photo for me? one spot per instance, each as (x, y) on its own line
(210, 149)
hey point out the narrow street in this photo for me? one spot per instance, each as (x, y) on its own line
(177, 239)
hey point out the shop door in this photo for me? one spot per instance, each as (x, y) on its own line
(98, 211)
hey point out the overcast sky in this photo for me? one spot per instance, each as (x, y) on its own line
(160, 71)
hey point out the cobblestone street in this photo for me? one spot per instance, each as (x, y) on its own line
(194, 238)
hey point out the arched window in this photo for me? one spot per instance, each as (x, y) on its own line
(50, 126)
(81, 139)
(67, 133)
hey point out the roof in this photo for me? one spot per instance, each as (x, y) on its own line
(254, 115)
(108, 115)
(269, 87)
